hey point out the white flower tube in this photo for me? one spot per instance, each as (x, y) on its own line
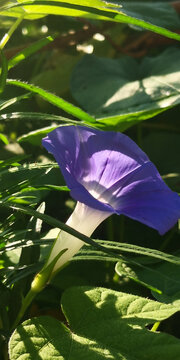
(83, 219)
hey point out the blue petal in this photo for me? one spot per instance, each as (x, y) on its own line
(146, 198)
(93, 158)
(109, 172)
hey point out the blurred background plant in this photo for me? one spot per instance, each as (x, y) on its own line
(94, 63)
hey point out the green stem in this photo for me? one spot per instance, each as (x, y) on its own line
(155, 326)
(8, 35)
(38, 284)
(27, 301)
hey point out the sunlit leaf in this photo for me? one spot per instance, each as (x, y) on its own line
(121, 92)
(99, 9)
(102, 324)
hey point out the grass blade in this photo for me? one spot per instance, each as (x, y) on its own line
(55, 100)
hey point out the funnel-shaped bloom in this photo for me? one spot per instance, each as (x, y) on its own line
(108, 173)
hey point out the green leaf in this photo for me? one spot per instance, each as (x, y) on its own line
(6, 103)
(171, 282)
(34, 137)
(117, 248)
(55, 100)
(163, 279)
(31, 49)
(99, 9)
(27, 183)
(4, 139)
(146, 276)
(31, 254)
(164, 276)
(35, 116)
(97, 244)
(51, 221)
(25, 53)
(12, 161)
(91, 253)
(102, 324)
(158, 12)
(63, 65)
(122, 92)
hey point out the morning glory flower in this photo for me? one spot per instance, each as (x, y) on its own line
(107, 173)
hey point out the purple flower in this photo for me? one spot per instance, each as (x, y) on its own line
(108, 172)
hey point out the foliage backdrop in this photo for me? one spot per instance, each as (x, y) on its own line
(111, 65)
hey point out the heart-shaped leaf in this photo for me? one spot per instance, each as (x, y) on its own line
(121, 92)
(102, 324)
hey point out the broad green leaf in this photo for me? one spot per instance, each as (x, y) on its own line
(55, 100)
(158, 12)
(171, 282)
(100, 10)
(168, 299)
(63, 65)
(146, 276)
(102, 324)
(163, 278)
(122, 92)
(16, 11)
